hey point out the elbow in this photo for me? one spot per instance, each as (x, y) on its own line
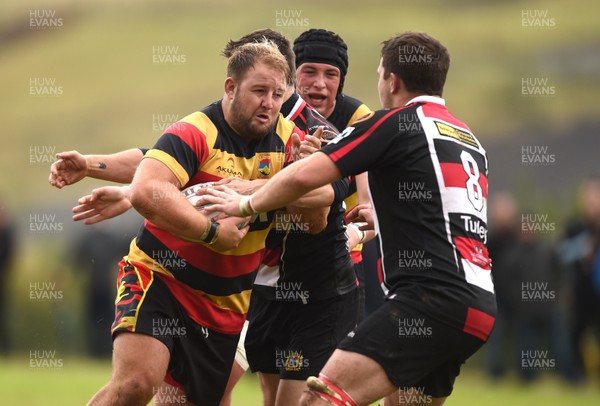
(142, 200)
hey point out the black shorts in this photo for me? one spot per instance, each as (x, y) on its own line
(415, 349)
(201, 358)
(295, 340)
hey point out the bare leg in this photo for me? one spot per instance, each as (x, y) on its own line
(289, 392)
(268, 385)
(139, 366)
(236, 374)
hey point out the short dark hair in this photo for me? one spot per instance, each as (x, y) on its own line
(246, 56)
(417, 58)
(282, 43)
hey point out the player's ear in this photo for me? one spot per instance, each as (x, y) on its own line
(395, 83)
(230, 85)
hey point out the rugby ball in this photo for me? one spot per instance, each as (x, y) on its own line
(190, 195)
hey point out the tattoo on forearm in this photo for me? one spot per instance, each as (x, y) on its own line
(101, 165)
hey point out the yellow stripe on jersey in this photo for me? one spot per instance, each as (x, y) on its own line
(171, 163)
(362, 110)
(205, 125)
(137, 255)
(238, 303)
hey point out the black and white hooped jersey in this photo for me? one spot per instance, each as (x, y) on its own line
(428, 184)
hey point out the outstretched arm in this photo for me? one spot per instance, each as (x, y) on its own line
(155, 195)
(102, 204)
(73, 166)
(285, 187)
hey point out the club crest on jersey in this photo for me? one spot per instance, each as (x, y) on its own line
(264, 166)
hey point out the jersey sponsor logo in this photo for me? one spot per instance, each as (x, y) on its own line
(457, 134)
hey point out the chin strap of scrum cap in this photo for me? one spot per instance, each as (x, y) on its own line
(327, 390)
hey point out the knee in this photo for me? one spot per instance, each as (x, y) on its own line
(137, 387)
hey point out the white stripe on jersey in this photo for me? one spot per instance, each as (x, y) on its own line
(453, 201)
(267, 275)
(478, 276)
(295, 108)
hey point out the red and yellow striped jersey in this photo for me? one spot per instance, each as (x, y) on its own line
(214, 287)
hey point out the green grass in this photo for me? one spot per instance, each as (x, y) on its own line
(77, 380)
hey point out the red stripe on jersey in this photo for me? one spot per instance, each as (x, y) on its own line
(205, 259)
(455, 176)
(202, 310)
(298, 111)
(478, 323)
(271, 257)
(192, 136)
(203, 177)
(473, 251)
(340, 153)
(380, 271)
(435, 110)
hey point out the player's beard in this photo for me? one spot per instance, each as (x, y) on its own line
(243, 122)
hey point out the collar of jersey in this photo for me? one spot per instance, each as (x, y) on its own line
(427, 99)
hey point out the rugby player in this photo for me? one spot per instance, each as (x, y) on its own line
(321, 68)
(450, 294)
(185, 274)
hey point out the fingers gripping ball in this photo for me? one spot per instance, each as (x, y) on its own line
(190, 195)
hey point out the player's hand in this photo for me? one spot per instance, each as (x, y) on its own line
(241, 186)
(310, 144)
(231, 232)
(223, 199)
(102, 204)
(69, 168)
(362, 213)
